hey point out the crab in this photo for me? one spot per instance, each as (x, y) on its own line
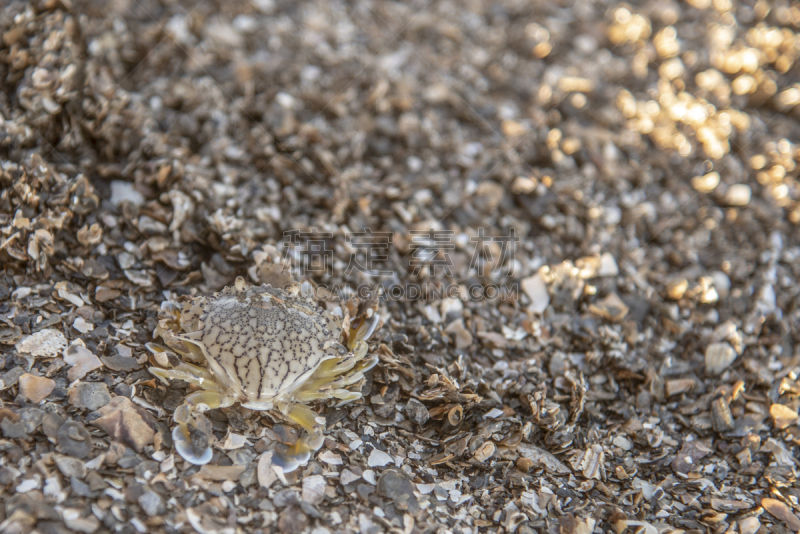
(267, 349)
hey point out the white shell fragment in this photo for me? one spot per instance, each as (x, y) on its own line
(233, 441)
(330, 458)
(719, 356)
(45, 343)
(82, 325)
(536, 289)
(314, 489)
(378, 458)
(82, 360)
(266, 473)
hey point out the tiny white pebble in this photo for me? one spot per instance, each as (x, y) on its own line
(348, 477)
(379, 458)
(330, 458)
(27, 485)
(369, 476)
(425, 489)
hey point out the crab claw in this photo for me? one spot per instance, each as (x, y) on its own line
(290, 457)
(192, 444)
(289, 460)
(363, 329)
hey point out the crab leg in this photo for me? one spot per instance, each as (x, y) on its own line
(190, 441)
(200, 402)
(188, 373)
(363, 331)
(335, 367)
(290, 458)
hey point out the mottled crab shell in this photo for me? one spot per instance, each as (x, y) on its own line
(261, 342)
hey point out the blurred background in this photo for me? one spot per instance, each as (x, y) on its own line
(643, 156)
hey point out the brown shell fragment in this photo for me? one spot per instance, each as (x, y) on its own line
(127, 423)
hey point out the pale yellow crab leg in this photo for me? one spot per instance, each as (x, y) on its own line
(335, 367)
(290, 458)
(188, 373)
(345, 396)
(200, 402)
(191, 442)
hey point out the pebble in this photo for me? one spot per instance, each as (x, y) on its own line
(123, 364)
(622, 442)
(691, 452)
(462, 338)
(220, 473)
(292, 521)
(738, 195)
(706, 183)
(782, 415)
(82, 325)
(46, 343)
(74, 440)
(678, 386)
(127, 423)
(721, 416)
(722, 283)
(89, 395)
(542, 457)
(149, 226)
(330, 458)
(484, 452)
(749, 525)
(126, 260)
(286, 497)
(417, 412)
(378, 458)
(719, 356)
(399, 490)
(266, 475)
(69, 466)
(780, 510)
(233, 441)
(488, 196)
(608, 265)
(104, 294)
(82, 360)
(28, 484)
(451, 309)
(313, 489)
(348, 477)
(611, 308)
(51, 422)
(152, 503)
(536, 289)
(35, 388)
(22, 427)
(11, 377)
(74, 521)
(125, 192)
(369, 476)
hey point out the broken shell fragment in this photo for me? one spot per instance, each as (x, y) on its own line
(455, 415)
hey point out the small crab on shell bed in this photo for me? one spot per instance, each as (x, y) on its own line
(267, 349)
